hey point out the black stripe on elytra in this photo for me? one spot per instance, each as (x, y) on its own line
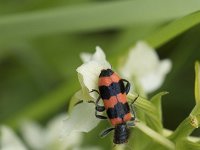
(113, 89)
(106, 73)
(119, 110)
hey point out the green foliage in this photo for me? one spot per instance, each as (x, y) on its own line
(197, 82)
(152, 126)
(40, 43)
(81, 18)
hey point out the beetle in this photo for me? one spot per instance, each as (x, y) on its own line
(113, 91)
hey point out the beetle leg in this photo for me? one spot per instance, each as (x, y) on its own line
(127, 87)
(133, 118)
(133, 112)
(99, 109)
(132, 109)
(93, 90)
(134, 100)
(79, 102)
(131, 124)
(100, 117)
(106, 132)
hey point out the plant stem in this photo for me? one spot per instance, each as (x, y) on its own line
(188, 125)
(156, 136)
(119, 147)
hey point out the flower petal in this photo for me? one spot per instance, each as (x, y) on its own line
(39, 138)
(141, 59)
(85, 57)
(97, 56)
(81, 119)
(144, 66)
(53, 131)
(33, 134)
(77, 97)
(88, 73)
(100, 57)
(154, 80)
(9, 141)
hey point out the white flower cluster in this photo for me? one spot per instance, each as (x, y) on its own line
(42, 138)
(142, 65)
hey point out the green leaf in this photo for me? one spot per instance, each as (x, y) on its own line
(192, 122)
(143, 104)
(126, 38)
(187, 145)
(156, 100)
(44, 106)
(147, 108)
(197, 82)
(173, 29)
(187, 126)
(156, 136)
(95, 16)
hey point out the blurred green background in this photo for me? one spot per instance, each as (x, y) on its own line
(40, 43)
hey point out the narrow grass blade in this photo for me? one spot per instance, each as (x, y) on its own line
(173, 29)
(197, 82)
(156, 100)
(156, 136)
(96, 16)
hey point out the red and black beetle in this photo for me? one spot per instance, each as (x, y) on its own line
(113, 91)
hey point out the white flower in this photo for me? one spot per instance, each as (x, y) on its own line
(88, 73)
(39, 138)
(9, 141)
(42, 138)
(144, 66)
(82, 117)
